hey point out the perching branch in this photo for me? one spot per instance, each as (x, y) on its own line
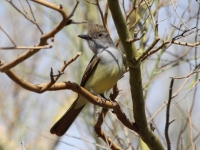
(53, 86)
(39, 88)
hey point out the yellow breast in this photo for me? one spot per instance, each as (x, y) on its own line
(103, 78)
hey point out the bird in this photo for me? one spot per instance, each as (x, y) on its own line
(102, 73)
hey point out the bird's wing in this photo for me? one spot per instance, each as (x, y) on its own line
(63, 124)
(90, 68)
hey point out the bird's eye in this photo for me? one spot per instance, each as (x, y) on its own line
(100, 35)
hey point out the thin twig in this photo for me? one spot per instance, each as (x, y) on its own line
(44, 37)
(136, 39)
(178, 15)
(86, 140)
(168, 115)
(74, 9)
(7, 35)
(155, 50)
(106, 13)
(90, 2)
(23, 147)
(197, 24)
(186, 43)
(76, 22)
(101, 13)
(170, 14)
(25, 15)
(31, 10)
(29, 47)
(175, 60)
(154, 24)
(128, 15)
(100, 133)
(192, 72)
(161, 108)
(190, 125)
(185, 127)
(176, 93)
(39, 88)
(55, 78)
(149, 48)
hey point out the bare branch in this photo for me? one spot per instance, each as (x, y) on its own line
(100, 133)
(106, 13)
(101, 13)
(153, 116)
(175, 60)
(192, 72)
(136, 39)
(167, 115)
(76, 22)
(149, 49)
(7, 35)
(75, 7)
(186, 44)
(39, 88)
(170, 14)
(26, 14)
(155, 50)
(44, 37)
(154, 23)
(90, 2)
(181, 87)
(190, 124)
(178, 15)
(28, 47)
(31, 10)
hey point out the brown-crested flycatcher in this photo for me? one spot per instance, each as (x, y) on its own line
(101, 74)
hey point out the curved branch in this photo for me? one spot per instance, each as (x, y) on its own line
(101, 134)
(39, 88)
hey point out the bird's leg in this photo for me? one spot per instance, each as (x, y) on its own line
(101, 96)
(112, 99)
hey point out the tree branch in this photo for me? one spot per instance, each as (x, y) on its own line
(135, 78)
(100, 133)
(44, 37)
(167, 115)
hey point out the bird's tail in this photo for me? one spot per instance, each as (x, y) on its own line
(63, 124)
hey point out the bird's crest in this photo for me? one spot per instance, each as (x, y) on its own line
(96, 28)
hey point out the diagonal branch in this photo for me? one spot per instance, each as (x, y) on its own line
(155, 50)
(7, 35)
(149, 49)
(40, 88)
(44, 37)
(100, 133)
(26, 14)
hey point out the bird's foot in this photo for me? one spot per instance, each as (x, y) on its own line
(101, 96)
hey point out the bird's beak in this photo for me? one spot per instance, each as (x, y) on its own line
(85, 36)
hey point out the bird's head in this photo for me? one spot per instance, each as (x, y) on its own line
(97, 37)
